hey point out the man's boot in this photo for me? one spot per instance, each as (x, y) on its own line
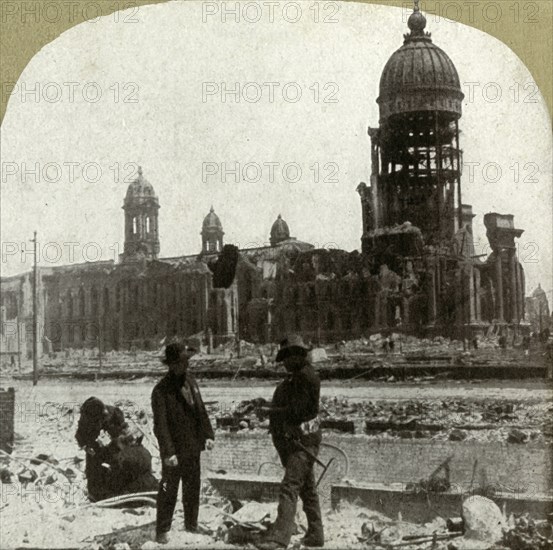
(162, 538)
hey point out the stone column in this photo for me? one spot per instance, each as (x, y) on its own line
(377, 309)
(477, 296)
(499, 313)
(514, 307)
(432, 309)
(471, 294)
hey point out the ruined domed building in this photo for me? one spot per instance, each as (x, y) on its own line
(417, 270)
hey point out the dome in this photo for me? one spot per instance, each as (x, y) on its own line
(279, 231)
(140, 188)
(212, 221)
(419, 76)
(539, 292)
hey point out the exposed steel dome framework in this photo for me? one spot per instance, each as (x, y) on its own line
(416, 158)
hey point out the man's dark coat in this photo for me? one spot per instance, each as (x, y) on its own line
(181, 428)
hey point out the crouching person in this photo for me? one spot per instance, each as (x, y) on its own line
(121, 467)
(294, 428)
(183, 430)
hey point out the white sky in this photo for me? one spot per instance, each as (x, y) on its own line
(168, 52)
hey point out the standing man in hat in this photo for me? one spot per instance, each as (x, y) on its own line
(293, 423)
(183, 430)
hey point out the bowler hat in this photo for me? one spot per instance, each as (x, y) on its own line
(174, 351)
(292, 345)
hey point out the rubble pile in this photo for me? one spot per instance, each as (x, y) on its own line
(380, 354)
(524, 533)
(456, 420)
(46, 485)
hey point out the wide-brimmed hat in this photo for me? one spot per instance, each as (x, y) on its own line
(293, 344)
(174, 351)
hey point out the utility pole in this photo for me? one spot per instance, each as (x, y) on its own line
(100, 338)
(35, 314)
(19, 340)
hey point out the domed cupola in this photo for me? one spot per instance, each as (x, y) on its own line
(416, 157)
(140, 189)
(141, 207)
(212, 233)
(419, 76)
(279, 231)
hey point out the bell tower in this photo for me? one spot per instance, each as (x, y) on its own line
(141, 207)
(212, 233)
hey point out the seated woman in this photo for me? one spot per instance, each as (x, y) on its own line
(124, 465)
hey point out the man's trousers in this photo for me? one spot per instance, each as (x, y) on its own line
(299, 480)
(188, 470)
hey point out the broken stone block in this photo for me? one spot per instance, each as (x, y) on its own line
(457, 435)
(121, 546)
(255, 512)
(517, 436)
(5, 475)
(27, 476)
(390, 535)
(483, 519)
(52, 478)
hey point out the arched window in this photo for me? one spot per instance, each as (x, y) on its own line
(147, 224)
(134, 226)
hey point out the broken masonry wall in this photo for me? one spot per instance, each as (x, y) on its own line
(405, 461)
(7, 411)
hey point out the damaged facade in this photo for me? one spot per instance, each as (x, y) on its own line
(415, 224)
(417, 270)
(142, 299)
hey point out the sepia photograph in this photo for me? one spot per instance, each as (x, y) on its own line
(276, 274)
